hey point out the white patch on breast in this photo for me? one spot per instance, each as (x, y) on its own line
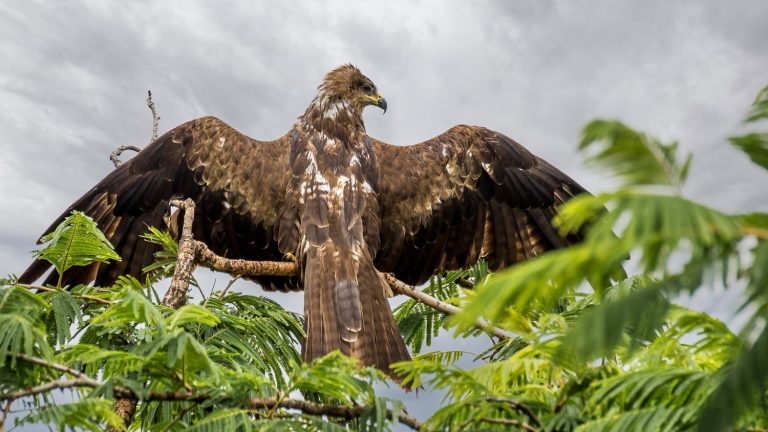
(222, 140)
(332, 111)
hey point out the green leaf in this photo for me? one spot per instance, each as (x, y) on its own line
(66, 311)
(637, 314)
(743, 388)
(755, 145)
(21, 335)
(759, 107)
(76, 242)
(129, 306)
(191, 314)
(633, 156)
(88, 414)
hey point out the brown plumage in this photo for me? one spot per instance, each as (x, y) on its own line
(345, 204)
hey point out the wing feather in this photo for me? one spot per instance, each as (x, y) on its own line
(237, 183)
(467, 194)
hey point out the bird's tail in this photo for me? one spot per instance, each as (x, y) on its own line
(346, 309)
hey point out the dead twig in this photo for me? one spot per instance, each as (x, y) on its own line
(114, 156)
(118, 151)
(155, 117)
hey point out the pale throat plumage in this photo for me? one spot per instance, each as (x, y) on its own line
(334, 117)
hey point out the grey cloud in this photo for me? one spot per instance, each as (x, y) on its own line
(74, 77)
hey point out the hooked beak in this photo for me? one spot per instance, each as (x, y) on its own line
(378, 101)
(382, 103)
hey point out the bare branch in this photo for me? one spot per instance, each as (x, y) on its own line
(420, 296)
(51, 365)
(118, 151)
(177, 292)
(155, 117)
(286, 268)
(522, 408)
(6, 413)
(502, 421)
(242, 267)
(47, 387)
(114, 156)
(347, 412)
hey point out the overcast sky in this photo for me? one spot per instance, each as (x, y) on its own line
(74, 77)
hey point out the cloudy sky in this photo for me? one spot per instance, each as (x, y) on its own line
(74, 77)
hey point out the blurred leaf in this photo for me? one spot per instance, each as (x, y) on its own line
(85, 414)
(639, 314)
(633, 156)
(755, 145)
(744, 385)
(759, 107)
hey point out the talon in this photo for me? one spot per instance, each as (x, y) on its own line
(290, 257)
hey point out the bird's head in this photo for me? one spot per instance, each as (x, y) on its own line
(347, 85)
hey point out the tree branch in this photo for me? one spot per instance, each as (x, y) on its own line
(118, 151)
(155, 117)
(124, 393)
(522, 408)
(80, 296)
(47, 387)
(114, 156)
(420, 296)
(239, 267)
(51, 365)
(176, 295)
(502, 421)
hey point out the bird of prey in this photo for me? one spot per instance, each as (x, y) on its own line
(345, 204)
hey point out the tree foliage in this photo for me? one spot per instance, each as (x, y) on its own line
(593, 347)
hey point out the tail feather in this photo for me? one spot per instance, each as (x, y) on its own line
(354, 318)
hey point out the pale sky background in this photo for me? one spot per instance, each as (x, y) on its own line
(74, 76)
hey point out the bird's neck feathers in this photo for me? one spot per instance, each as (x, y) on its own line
(334, 117)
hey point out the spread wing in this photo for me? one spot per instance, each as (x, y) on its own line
(237, 183)
(467, 194)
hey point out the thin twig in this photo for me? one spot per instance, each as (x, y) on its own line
(229, 285)
(522, 408)
(51, 365)
(760, 233)
(411, 291)
(155, 117)
(51, 385)
(502, 421)
(115, 155)
(118, 151)
(80, 296)
(6, 413)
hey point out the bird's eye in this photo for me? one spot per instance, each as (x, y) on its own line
(367, 88)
